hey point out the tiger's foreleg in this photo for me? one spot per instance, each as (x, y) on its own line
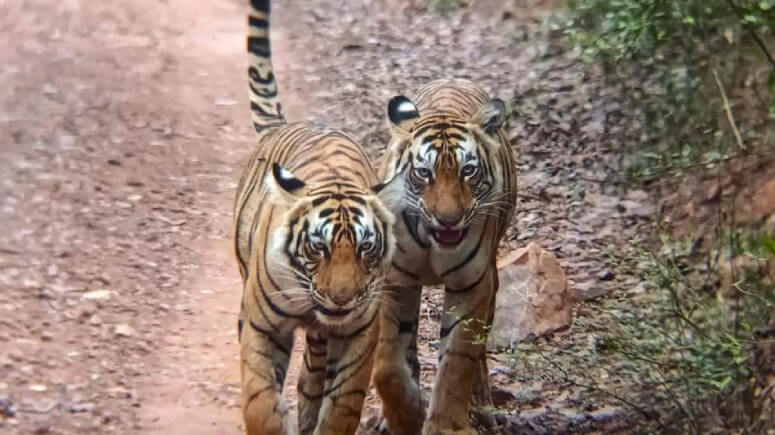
(264, 354)
(312, 381)
(396, 368)
(348, 371)
(481, 399)
(463, 335)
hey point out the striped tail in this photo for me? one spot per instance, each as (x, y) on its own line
(264, 101)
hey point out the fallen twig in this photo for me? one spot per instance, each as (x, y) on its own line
(728, 110)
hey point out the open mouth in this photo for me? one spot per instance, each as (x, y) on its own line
(333, 312)
(446, 236)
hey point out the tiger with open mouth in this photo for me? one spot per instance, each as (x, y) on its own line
(460, 194)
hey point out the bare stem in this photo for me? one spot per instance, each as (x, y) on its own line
(728, 111)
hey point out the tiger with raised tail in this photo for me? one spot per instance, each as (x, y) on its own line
(313, 241)
(460, 180)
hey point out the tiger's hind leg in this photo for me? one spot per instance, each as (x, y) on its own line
(348, 371)
(312, 381)
(264, 353)
(397, 369)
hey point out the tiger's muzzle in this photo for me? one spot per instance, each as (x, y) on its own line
(448, 229)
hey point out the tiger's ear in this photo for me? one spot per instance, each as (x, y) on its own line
(491, 116)
(402, 113)
(391, 192)
(283, 186)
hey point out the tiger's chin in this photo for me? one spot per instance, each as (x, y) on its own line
(447, 237)
(342, 320)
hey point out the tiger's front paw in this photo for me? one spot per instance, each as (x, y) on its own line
(409, 424)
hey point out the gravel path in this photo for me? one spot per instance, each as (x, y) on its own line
(122, 126)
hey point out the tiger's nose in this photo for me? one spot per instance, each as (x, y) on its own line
(449, 220)
(340, 299)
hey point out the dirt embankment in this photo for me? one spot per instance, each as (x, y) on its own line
(121, 130)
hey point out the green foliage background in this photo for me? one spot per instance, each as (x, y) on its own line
(701, 76)
(664, 53)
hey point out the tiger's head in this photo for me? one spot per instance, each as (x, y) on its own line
(449, 164)
(337, 242)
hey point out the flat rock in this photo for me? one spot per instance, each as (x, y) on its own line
(97, 294)
(533, 299)
(124, 330)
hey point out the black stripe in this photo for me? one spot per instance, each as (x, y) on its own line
(311, 159)
(382, 239)
(279, 373)
(255, 75)
(407, 327)
(247, 193)
(256, 394)
(457, 354)
(315, 341)
(471, 254)
(261, 111)
(411, 223)
(268, 92)
(445, 331)
(350, 411)
(337, 197)
(272, 305)
(470, 287)
(261, 308)
(289, 240)
(271, 337)
(315, 172)
(357, 331)
(258, 23)
(404, 271)
(309, 396)
(315, 352)
(266, 355)
(261, 5)
(316, 158)
(455, 136)
(363, 358)
(259, 45)
(332, 361)
(424, 128)
(311, 369)
(355, 392)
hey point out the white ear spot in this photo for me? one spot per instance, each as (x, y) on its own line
(285, 174)
(286, 179)
(406, 107)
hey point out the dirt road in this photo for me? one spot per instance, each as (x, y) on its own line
(122, 125)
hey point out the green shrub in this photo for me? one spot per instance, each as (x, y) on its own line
(666, 54)
(671, 353)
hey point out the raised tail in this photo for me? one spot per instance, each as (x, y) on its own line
(264, 102)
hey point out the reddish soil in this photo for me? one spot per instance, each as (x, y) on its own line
(122, 127)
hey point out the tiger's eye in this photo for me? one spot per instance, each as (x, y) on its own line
(318, 245)
(469, 170)
(422, 172)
